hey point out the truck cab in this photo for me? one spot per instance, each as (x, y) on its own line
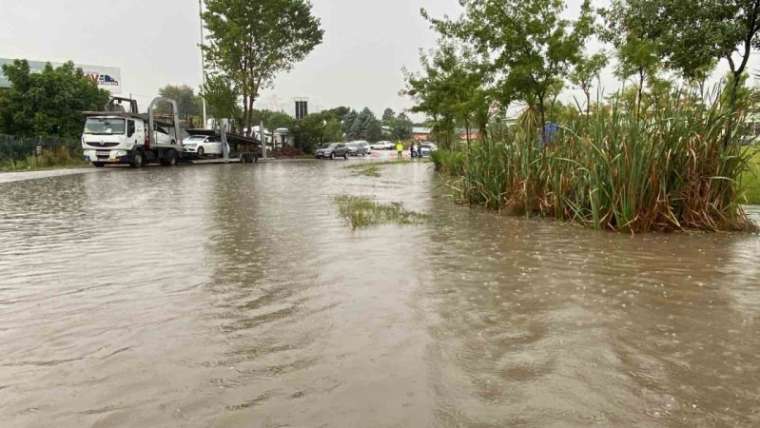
(117, 136)
(112, 138)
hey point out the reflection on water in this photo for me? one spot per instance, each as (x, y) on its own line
(235, 296)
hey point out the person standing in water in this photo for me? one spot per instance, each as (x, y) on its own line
(399, 149)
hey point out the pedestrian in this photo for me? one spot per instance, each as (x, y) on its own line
(411, 150)
(399, 149)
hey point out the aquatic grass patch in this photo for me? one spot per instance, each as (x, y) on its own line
(360, 211)
(367, 170)
(676, 168)
(372, 168)
(378, 163)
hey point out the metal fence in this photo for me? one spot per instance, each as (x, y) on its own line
(18, 148)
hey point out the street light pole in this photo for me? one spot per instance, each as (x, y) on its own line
(203, 62)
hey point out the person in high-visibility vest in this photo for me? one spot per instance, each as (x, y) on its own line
(399, 149)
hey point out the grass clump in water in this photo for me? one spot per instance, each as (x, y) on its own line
(368, 170)
(360, 211)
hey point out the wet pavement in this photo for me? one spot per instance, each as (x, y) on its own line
(234, 296)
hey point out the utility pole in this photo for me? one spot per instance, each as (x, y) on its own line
(203, 61)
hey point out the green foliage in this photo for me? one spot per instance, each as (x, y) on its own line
(188, 104)
(693, 35)
(449, 162)
(750, 180)
(388, 116)
(273, 119)
(401, 127)
(251, 41)
(20, 154)
(668, 169)
(585, 71)
(527, 49)
(451, 90)
(49, 103)
(362, 212)
(221, 96)
(317, 129)
(363, 126)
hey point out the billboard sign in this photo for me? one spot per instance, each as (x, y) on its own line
(108, 78)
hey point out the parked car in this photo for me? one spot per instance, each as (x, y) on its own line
(202, 145)
(358, 148)
(332, 151)
(382, 145)
(427, 148)
(367, 147)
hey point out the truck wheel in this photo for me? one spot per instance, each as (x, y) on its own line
(169, 159)
(98, 164)
(137, 160)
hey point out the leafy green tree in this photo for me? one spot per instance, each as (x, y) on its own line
(188, 103)
(251, 41)
(364, 126)
(402, 127)
(272, 119)
(529, 43)
(221, 96)
(451, 89)
(316, 130)
(389, 116)
(49, 103)
(585, 71)
(638, 55)
(695, 34)
(348, 121)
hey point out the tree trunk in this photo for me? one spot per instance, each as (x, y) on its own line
(467, 131)
(543, 118)
(640, 92)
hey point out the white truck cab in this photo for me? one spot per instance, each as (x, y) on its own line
(118, 137)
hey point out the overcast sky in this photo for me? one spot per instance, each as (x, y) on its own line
(366, 45)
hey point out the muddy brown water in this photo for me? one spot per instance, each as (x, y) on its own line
(234, 296)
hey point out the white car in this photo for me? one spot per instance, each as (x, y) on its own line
(382, 145)
(203, 145)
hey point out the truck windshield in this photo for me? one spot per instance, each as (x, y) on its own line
(104, 126)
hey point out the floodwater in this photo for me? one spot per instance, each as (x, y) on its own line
(234, 296)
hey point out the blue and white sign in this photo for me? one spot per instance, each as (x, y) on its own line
(108, 78)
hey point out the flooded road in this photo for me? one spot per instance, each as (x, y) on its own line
(234, 296)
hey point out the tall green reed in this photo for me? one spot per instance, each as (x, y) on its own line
(668, 169)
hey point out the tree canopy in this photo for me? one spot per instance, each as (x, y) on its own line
(251, 41)
(188, 103)
(526, 47)
(49, 103)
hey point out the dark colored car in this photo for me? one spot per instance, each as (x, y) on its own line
(334, 150)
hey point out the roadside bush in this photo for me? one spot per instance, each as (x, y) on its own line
(21, 153)
(288, 152)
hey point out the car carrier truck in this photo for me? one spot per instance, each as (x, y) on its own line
(120, 135)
